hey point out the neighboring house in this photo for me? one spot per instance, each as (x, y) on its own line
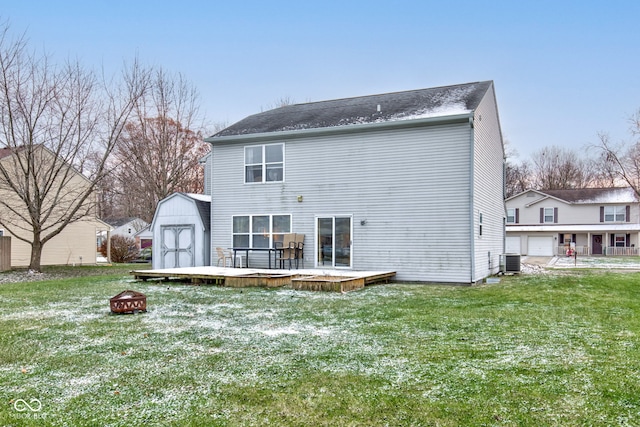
(76, 242)
(181, 232)
(144, 237)
(410, 182)
(127, 227)
(590, 221)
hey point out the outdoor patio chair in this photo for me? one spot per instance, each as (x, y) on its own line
(299, 249)
(287, 250)
(227, 255)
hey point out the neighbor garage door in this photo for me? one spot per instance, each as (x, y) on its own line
(512, 245)
(540, 246)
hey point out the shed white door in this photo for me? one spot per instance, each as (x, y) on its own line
(177, 246)
(512, 245)
(540, 246)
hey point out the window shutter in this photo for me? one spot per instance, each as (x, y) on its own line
(628, 242)
(555, 215)
(612, 240)
(561, 238)
(601, 213)
(541, 215)
(517, 215)
(628, 214)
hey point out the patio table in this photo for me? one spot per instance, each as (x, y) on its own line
(247, 250)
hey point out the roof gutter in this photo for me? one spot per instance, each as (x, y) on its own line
(346, 129)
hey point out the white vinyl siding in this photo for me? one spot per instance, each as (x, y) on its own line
(395, 180)
(488, 190)
(391, 179)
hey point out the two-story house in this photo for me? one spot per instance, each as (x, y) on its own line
(410, 182)
(589, 221)
(75, 244)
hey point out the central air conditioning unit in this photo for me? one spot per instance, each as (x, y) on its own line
(510, 263)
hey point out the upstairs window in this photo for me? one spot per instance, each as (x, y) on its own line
(512, 215)
(1, 232)
(264, 163)
(549, 215)
(615, 213)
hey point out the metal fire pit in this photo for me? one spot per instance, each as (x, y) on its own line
(128, 302)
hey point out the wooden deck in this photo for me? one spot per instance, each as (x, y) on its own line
(305, 279)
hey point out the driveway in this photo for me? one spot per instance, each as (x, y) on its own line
(601, 262)
(541, 261)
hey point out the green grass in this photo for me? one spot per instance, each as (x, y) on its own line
(530, 351)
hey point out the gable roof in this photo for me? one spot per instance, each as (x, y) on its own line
(414, 104)
(119, 222)
(581, 196)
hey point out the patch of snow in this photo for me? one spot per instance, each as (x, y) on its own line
(279, 331)
(614, 195)
(201, 197)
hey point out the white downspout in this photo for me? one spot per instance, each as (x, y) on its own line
(472, 245)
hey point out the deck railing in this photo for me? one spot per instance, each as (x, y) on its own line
(580, 250)
(606, 250)
(620, 251)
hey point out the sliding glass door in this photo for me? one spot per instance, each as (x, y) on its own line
(334, 241)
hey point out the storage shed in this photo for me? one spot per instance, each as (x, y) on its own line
(180, 228)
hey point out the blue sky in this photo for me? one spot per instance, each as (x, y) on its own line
(563, 70)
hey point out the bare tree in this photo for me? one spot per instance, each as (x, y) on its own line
(555, 168)
(280, 102)
(58, 126)
(517, 174)
(517, 177)
(160, 151)
(622, 160)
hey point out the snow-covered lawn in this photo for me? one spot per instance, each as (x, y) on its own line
(531, 350)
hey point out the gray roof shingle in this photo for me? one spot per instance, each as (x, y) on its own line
(413, 104)
(595, 195)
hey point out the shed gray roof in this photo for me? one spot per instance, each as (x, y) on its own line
(203, 204)
(413, 104)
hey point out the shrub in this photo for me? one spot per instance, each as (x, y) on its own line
(123, 249)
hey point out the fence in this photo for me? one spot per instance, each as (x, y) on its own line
(606, 250)
(614, 250)
(580, 250)
(5, 253)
